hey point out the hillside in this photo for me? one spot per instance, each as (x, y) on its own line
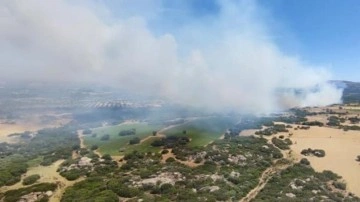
(351, 92)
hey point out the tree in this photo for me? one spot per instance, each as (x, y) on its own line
(154, 133)
(106, 157)
(105, 137)
(135, 140)
(94, 147)
(304, 161)
(87, 132)
(31, 179)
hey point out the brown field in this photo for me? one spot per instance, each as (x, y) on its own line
(341, 149)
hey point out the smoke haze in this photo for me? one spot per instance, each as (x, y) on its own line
(226, 61)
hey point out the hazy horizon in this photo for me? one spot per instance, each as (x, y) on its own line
(218, 54)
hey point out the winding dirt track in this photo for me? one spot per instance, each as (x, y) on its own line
(265, 177)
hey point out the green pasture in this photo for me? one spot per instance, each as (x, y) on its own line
(118, 143)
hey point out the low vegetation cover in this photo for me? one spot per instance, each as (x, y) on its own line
(281, 144)
(227, 164)
(185, 163)
(42, 188)
(30, 179)
(313, 152)
(203, 130)
(115, 139)
(49, 145)
(301, 183)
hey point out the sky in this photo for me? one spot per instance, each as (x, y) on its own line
(321, 32)
(254, 56)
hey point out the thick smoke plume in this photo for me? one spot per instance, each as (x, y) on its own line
(226, 61)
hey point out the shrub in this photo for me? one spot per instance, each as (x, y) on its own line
(169, 160)
(127, 132)
(106, 157)
(105, 137)
(280, 143)
(94, 147)
(72, 174)
(339, 185)
(31, 179)
(165, 151)
(87, 132)
(135, 140)
(304, 161)
(198, 160)
(315, 152)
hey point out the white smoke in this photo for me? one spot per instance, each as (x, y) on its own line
(226, 62)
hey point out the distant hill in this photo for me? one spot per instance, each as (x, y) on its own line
(351, 92)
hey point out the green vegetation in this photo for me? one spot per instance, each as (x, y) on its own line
(119, 144)
(127, 132)
(31, 179)
(170, 142)
(353, 127)
(15, 195)
(135, 140)
(105, 137)
(87, 132)
(281, 144)
(313, 123)
(301, 183)
(315, 152)
(233, 162)
(274, 129)
(202, 131)
(48, 146)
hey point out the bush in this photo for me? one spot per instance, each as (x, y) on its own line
(339, 185)
(315, 152)
(106, 157)
(198, 160)
(135, 140)
(94, 147)
(169, 160)
(15, 195)
(127, 132)
(157, 143)
(304, 161)
(31, 179)
(105, 137)
(165, 151)
(280, 143)
(87, 132)
(72, 174)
